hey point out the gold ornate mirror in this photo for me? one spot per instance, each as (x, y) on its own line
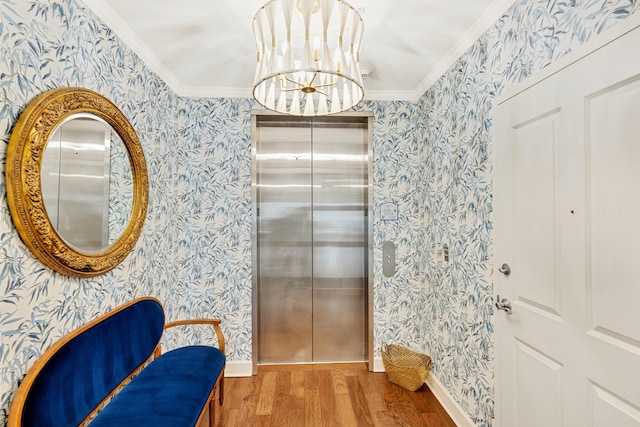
(77, 182)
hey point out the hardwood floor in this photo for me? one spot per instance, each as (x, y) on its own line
(326, 395)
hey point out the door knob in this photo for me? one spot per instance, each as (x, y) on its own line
(503, 304)
(505, 269)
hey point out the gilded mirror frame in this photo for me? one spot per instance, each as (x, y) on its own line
(24, 190)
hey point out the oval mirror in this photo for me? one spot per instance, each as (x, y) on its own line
(76, 182)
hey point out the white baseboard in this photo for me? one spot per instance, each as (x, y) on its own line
(457, 414)
(238, 369)
(244, 368)
(378, 366)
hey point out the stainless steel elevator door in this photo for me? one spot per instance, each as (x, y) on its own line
(311, 178)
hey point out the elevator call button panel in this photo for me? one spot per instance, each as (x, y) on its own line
(388, 258)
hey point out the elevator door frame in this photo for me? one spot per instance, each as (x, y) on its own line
(255, 114)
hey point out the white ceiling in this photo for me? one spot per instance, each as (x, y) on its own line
(205, 48)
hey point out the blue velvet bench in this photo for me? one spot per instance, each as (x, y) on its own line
(112, 372)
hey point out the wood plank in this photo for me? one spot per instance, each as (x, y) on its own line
(313, 411)
(428, 405)
(359, 401)
(345, 414)
(265, 399)
(400, 406)
(374, 385)
(287, 409)
(327, 398)
(339, 382)
(261, 421)
(297, 384)
(241, 401)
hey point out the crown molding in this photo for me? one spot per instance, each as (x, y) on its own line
(111, 19)
(390, 95)
(486, 20)
(214, 92)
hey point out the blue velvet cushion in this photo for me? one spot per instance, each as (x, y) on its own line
(88, 367)
(172, 391)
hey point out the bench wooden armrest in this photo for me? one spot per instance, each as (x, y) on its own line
(216, 327)
(213, 322)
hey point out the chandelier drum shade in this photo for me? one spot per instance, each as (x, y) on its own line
(308, 56)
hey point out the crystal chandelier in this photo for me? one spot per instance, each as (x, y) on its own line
(308, 54)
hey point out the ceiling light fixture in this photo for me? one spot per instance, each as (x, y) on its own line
(308, 56)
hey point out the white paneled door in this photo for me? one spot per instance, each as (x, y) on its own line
(567, 245)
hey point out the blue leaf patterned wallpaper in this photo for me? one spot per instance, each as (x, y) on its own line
(431, 157)
(213, 195)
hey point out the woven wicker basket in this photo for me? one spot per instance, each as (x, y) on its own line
(407, 368)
